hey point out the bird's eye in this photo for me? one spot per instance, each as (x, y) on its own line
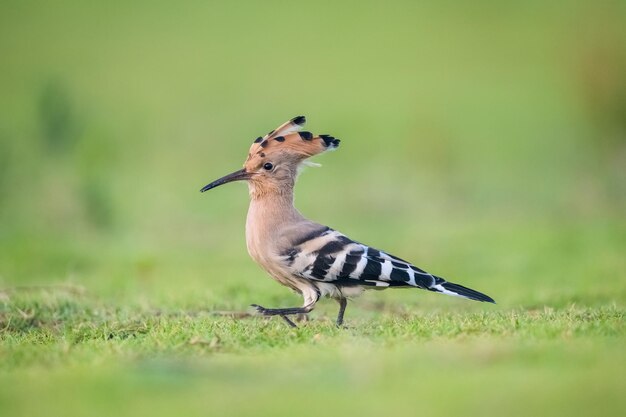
(268, 166)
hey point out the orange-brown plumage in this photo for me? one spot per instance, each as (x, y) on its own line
(294, 146)
(288, 142)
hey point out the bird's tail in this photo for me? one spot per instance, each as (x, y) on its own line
(451, 288)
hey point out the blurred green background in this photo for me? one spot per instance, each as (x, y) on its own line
(485, 141)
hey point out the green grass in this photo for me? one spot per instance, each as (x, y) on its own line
(127, 360)
(485, 142)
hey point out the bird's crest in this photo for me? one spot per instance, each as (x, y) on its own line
(290, 141)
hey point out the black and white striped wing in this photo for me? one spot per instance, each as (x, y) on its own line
(326, 255)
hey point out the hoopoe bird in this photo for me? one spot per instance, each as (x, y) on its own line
(312, 259)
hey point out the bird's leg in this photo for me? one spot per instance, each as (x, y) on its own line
(310, 298)
(343, 302)
(284, 312)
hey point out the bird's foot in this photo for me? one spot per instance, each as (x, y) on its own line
(260, 309)
(279, 311)
(283, 312)
(289, 322)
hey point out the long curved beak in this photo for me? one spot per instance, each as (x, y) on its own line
(235, 176)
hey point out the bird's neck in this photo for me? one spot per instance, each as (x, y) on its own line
(270, 211)
(271, 206)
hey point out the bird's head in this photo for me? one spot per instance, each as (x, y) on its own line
(274, 159)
